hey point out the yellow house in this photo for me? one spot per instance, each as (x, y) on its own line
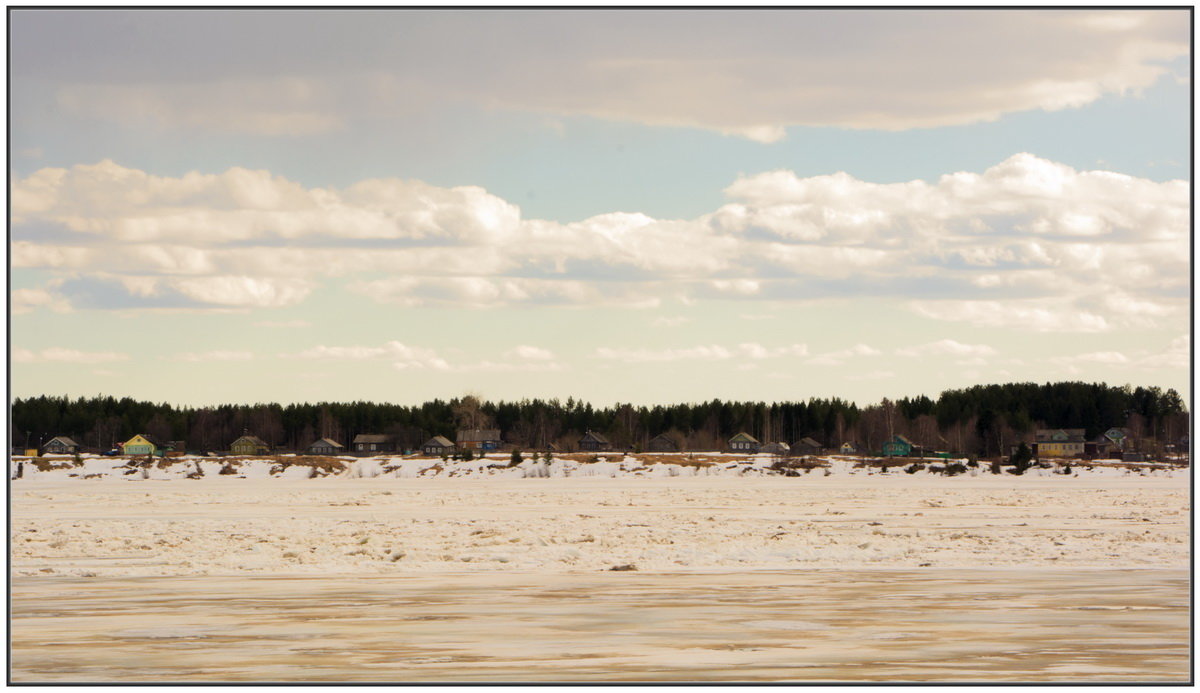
(1062, 442)
(140, 444)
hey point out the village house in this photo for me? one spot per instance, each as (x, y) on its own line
(438, 446)
(743, 442)
(373, 442)
(325, 446)
(140, 444)
(478, 439)
(776, 449)
(807, 446)
(594, 442)
(60, 445)
(898, 446)
(249, 445)
(1059, 442)
(847, 449)
(662, 443)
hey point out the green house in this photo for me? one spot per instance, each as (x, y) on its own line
(249, 445)
(898, 446)
(744, 442)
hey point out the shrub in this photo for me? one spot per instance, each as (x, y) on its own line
(954, 469)
(515, 459)
(467, 456)
(913, 468)
(995, 467)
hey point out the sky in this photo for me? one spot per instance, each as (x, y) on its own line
(645, 206)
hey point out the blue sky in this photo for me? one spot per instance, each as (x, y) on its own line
(614, 205)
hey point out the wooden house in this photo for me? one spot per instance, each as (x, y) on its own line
(140, 444)
(807, 446)
(373, 442)
(325, 446)
(898, 446)
(847, 449)
(438, 446)
(776, 449)
(478, 439)
(594, 442)
(662, 443)
(249, 445)
(1059, 442)
(743, 442)
(60, 445)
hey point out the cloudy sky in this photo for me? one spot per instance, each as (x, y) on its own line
(646, 206)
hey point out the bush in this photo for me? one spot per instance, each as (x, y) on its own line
(995, 467)
(467, 456)
(954, 469)
(515, 459)
(913, 468)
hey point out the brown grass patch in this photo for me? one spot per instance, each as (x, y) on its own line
(49, 465)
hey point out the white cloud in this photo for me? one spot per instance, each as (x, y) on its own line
(216, 355)
(948, 347)
(1019, 246)
(531, 353)
(839, 357)
(64, 355)
(675, 321)
(1177, 355)
(709, 352)
(1034, 315)
(27, 300)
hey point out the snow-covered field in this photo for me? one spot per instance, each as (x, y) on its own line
(589, 571)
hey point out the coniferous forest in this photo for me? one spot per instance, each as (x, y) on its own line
(983, 420)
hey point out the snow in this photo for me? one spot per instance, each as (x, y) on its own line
(391, 516)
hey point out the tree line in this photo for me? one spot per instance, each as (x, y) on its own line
(981, 420)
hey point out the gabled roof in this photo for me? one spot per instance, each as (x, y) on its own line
(663, 436)
(775, 447)
(328, 442)
(440, 441)
(372, 438)
(148, 438)
(478, 435)
(254, 440)
(64, 440)
(809, 442)
(901, 439)
(595, 437)
(743, 437)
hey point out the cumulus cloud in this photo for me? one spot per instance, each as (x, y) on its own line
(1022, 245)
(65, 355)
(740, 73)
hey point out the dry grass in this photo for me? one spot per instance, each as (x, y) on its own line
(48, 465)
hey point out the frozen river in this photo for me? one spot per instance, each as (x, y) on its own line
(809, 579)
(822, 625)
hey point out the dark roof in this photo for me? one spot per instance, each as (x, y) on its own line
(775, 447)
(902, 439)
(1074, 435)
(743, 436)
(327, 441)
(594, 436)
(808, 442)
(478, 435)
(153, 441)
(440, 441)
(64, 440)
(372, 438)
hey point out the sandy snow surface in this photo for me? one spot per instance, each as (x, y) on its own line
(384, 525)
